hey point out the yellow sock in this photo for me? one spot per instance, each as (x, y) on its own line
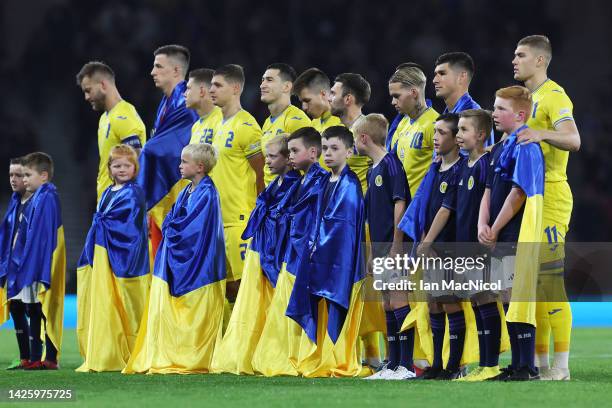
(371, 343)
(559, 315)
(542, 334)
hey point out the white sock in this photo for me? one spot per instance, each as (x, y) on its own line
(541, 360)
(561, 359)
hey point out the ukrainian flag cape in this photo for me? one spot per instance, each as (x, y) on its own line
(113, 280)
(524, 165)
(326, 299)
(183, 320)
(262, 265)
(161, 155)
(278, 348)
(7, 229)
(40, 257)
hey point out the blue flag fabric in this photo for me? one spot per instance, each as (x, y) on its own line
(336, 260)
(32, 257)
(192, 252)
(161, 154)
(264, 227)
(121, 228)
(464, 103)
(7, 230)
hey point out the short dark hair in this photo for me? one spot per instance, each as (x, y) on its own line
(285, 71)
(459, 59)
(92, 68)
(311, 78)
(541, 42)
(481, 119)
(342, 133)
(310, 137)
(202, 75)
(452, 119)
(39, 161)
(355, 85)
(232, 73)
(178, 52)
(16, 160)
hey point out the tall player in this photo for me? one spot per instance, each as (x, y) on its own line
(552, 125)
(414, 140)
(312, 88)
(276, 87)
(346, 99)
(238, 174)
(118, 124)
(197, 97)
(453, 73)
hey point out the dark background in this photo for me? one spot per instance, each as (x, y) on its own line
(45, 43)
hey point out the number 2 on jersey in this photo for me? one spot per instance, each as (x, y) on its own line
(230, 139)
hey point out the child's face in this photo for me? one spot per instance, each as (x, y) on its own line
(301, 157)
(335, 152)
(504, 116)
(468, 137)
(189, 168)
(122, 170)
(444, 140)
(32, 179)
(360, 139)
(276, 162)
(16, 178)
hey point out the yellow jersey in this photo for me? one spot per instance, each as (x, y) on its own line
(415, 147)
(203, 129)
(326, 120)
(236, 140)
(551, 106)
(399, 129)
(121, 124)
(290, 120)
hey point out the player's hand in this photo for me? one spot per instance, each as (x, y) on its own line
(424, 249)
(484, 235)
(529, 135)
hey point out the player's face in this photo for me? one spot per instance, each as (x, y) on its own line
(300, 157)
(335, 153)
(276, 162)
(272, 86)
(193, 93)
(122, 170)
(313, 103)
(402, 98)
(445, 80)
(444, 140)
(468, 137)
(188, 167)
(94, 92)
(163, 71)
(221, 91)
(16, 178)
(32, 179)
(524, 63)
(336, 100)
(504, 116)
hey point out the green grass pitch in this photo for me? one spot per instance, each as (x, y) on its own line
(591, 385)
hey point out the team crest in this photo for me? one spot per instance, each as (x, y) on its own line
(471, 183)
(443, 187)
(378, 181)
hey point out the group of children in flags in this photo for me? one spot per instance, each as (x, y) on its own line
(337, 195)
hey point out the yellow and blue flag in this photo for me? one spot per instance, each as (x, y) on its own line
(39, 257)
(262, 264)
(161, 155)
(114, 262)
(524, 165)
(183, 320)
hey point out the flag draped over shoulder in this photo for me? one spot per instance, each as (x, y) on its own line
(335, 261)
(264, 227)
(524, 165)
(414, 219)
(114, 262)
(7, 229)
(183, 320)
(161, 154)
(40, 257)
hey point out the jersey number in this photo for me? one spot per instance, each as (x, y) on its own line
(230, 139)
(417, 141)
(535, 108)
(553, 239)
(207, 136)
(243, 248)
